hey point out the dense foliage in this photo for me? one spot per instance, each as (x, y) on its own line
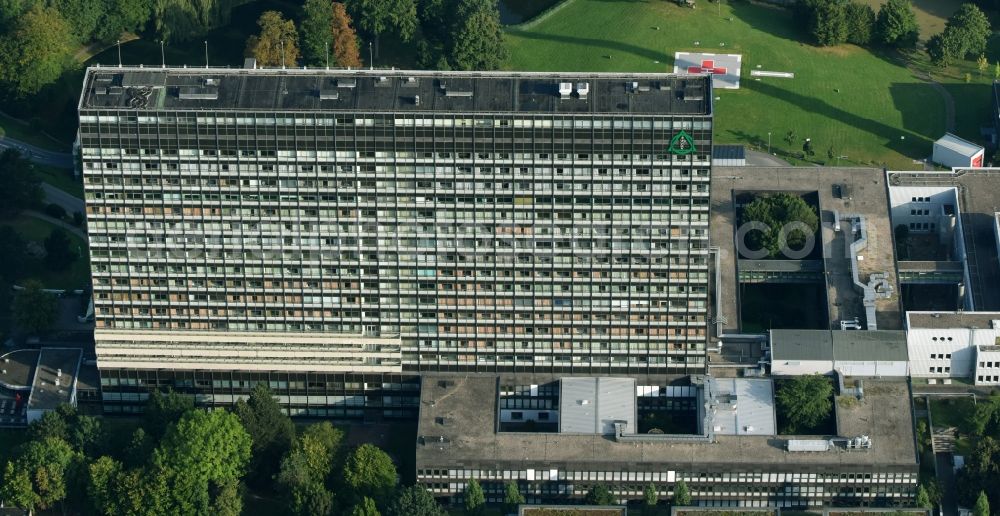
(805, 401)
(965, 35)
(184, 460)
(783, 224)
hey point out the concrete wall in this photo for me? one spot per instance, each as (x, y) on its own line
(801, 367)
(892, 368)
(908, 206)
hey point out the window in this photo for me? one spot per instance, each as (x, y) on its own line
(517, 416)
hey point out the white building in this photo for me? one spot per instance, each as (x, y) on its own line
(944, 345)
(952, 151)
(849, 352)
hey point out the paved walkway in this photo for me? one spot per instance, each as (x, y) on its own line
(38, 154)
(69, 202)
(61, 223)
(763, 159)
(949, 101)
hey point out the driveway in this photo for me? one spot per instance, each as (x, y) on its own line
(38, 154)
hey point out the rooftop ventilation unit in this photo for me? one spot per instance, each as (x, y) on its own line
(347, 83)
(416, 100)
(410, 81)
(192, 93)
(211, 82)
(457, 93)
(582, 89)
(565, 88)
(329, 94)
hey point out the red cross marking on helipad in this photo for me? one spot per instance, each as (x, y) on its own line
(707, 66)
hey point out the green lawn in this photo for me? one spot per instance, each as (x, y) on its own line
(865, 106)
(952, 411)
(30, 134)
(61, 178)
(76, 276)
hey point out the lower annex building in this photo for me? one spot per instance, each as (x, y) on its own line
(336, 232)
(559, 437)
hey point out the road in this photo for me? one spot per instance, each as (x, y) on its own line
(38, 154)
(70, 203)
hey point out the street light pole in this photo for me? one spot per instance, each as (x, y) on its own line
(769, 142)
(371, 60)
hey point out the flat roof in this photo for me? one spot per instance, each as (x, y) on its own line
(863, 191)
(882, 345)
(959, 145)
(979, 201)
(884, 415)
(729, 152)
(174, 89)
(945, 320)
(801, 345)
(750, 407)
(592, 405)
(54, 365)
(17, 368)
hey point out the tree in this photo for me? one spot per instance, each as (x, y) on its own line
(370, 472)
(227, 498)
(941, 48)
(317, 21)
(375, 16)
(512, 495)
(478, 43)
(186, 20)
(649, 496)
(345, 40)
(996, 71)
(896, 24)
(860, 23)
(415, 501)
(271, 430)
(682, 496)
(784, 216)
(474, 497)
(17, 489)
(982, 64)
(36, 52)
(306, 468)
(49, 464)
(102, 474)
(600, 495)
(200, 453)
(805, 401)
(923, 500)
(278, 41)
(58, 253)
(982, 507)
(34, 309)
(828, 23)
(970, 30)
(366, 507)
(162, 410)
(22, 189)
(14, 255)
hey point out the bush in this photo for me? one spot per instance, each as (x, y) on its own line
(55, 211)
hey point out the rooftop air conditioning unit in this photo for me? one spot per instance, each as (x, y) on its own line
(565, 88)
(582, 89)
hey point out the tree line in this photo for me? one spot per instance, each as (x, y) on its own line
(39, 39)
(833, 22)
(456, 34)
(184, 460)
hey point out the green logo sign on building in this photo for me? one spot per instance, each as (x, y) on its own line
(681, 144)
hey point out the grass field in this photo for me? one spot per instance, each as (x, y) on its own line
(61, 178)
(863, 105)
(18, 130)
(78, 273)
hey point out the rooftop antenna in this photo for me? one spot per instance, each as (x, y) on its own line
(371, 60)
(282, 54)
(119, 43)
(206, 53)
(163, 57)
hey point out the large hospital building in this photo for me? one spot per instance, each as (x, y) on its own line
(336, 233)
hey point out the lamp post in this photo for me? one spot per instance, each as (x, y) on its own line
(769, 142)
(371, 60)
